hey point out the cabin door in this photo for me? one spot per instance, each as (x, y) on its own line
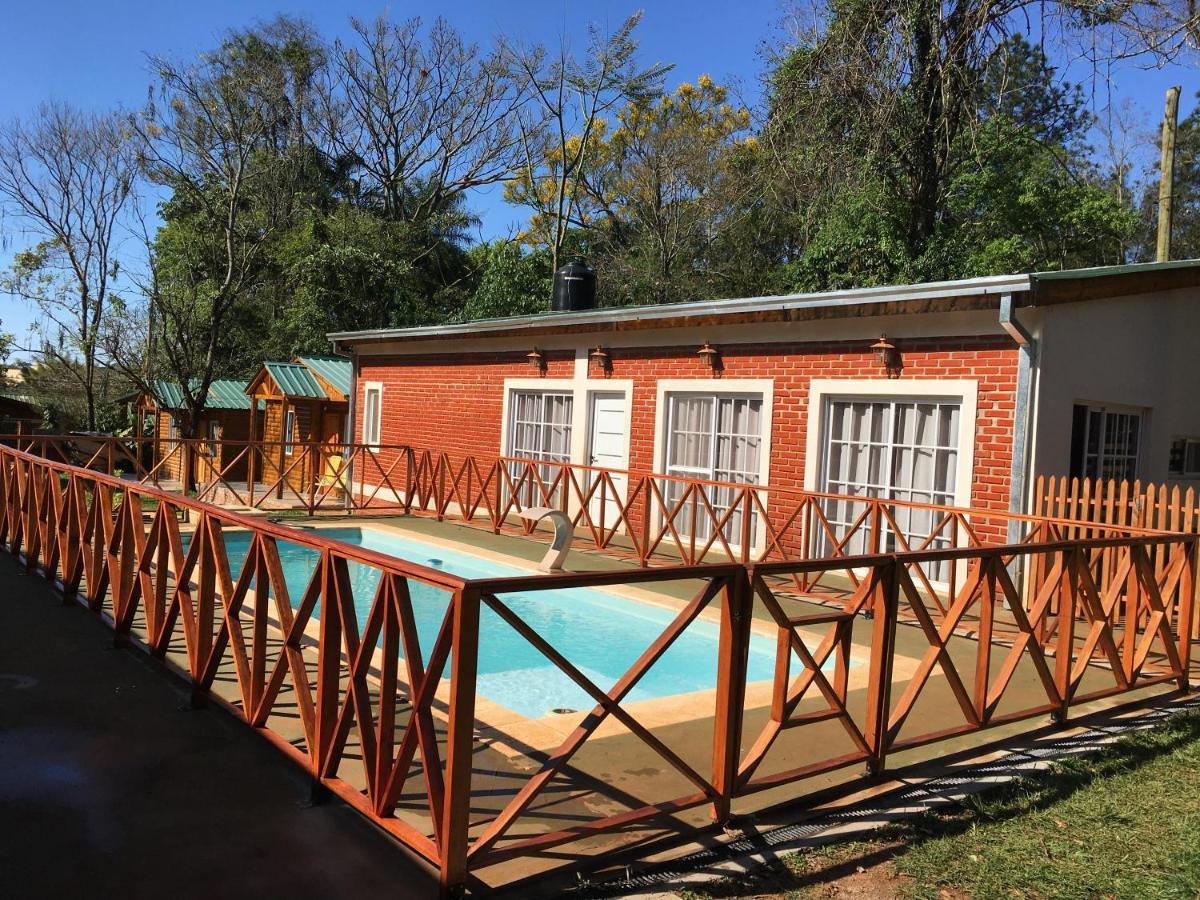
(608, 448)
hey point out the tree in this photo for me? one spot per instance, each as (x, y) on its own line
(558, 129)
(68, 176)
(509, 282)
(417, 120)
(935, 186)
(881, 99)
(660, 194)
(211, 135)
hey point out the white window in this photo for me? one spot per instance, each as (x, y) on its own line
(539, 429)
(894, 449)
(214, 437)
(712, 437)
(1105, 442)
(1185, 458)
(289, 432)
(372, 413)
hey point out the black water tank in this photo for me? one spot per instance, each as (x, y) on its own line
(574, 287)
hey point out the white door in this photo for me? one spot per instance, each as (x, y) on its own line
(608, 448)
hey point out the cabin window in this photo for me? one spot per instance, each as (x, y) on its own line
(372, 408)
(1185, 458)
(1105, 442)
(901, 449)
(539, 429)
(713, 437)
(289, 431)
(541, 425)
(214, 438)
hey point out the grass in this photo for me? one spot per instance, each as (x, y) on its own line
(1122, 822)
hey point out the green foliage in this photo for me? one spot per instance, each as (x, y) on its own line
(1015, 189)
(510, 282)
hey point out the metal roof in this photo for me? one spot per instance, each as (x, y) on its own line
(853, 301)
(993, 285)
(223, 393)
(334, 369)
(295, 379)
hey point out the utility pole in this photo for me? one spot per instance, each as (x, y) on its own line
(1166, 184)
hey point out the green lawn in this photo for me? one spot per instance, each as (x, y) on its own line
(1124, 822)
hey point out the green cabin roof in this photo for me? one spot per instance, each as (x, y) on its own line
(223, 393)
(295, 380)
(334, 369)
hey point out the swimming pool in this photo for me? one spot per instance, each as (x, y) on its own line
(602, 634)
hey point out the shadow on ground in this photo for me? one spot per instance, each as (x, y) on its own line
(110, 785)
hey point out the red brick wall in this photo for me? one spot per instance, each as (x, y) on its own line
(454, 403)
(450, 403)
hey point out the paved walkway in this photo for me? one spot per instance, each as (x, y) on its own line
(110, 786)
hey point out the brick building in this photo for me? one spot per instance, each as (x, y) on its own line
(952, 393)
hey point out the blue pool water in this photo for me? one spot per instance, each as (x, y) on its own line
(601, 634)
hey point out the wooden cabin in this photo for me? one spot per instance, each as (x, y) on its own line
(303, 401)
(18, 416)
(224, 423)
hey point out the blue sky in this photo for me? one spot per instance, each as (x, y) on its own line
(94, 53)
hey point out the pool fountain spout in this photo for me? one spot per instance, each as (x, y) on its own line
(560, 544)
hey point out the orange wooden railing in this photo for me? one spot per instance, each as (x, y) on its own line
(1092, 617)
(650, 516)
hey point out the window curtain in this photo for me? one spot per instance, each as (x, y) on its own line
(712, 438)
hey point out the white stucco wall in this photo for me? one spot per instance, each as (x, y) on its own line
(1139, 351)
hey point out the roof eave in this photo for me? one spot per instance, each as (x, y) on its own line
(831, 300)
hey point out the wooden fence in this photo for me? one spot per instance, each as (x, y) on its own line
(1121, 503)
(391, 726)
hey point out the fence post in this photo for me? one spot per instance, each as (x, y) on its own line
(886, 601)
(460, 742)
(1187, 613)
(251, 449)
(1064, 650)
(733, 648)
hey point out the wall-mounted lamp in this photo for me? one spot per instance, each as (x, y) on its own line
(601, 358)
(887, 356)
(711, 356)
(536, 360)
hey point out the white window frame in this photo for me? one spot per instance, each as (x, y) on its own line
(541, 454)
(965, 391)
(762, 387)
(289, 430)
(372, 431)
(1186, 444)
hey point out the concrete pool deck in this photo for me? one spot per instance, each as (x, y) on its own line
(612, 772)
(110, 786)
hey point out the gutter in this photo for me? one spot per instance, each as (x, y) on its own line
(971, 287)
(1027, 366)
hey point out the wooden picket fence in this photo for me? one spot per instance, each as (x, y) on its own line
(1121, 503)
(1099, 504)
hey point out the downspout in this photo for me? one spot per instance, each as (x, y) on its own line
(1027, 364)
